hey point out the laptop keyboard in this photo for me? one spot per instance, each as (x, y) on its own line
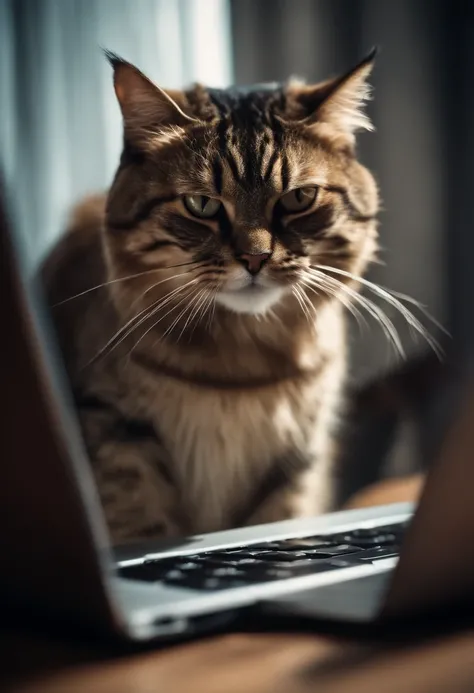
(272, 560)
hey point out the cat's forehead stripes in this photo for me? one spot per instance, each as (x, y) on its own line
(249, 139)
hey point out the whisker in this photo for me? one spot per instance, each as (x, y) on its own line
(212, 312)
(353, 310)
(395, 303)
(310, 306)
(157, 322)
(423, 310)
(331, 292)
(203, 310)
(197, 304)
(372, 309)
(161, 303)
(388, 294)
(157, 305)
(298, 295)
(190, 305)
(124, 279)
(135, 322)
(153, 286)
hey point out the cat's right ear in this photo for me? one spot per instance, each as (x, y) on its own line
(147, 109)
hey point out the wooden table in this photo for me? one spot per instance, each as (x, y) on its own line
(242, 663)
(251, 663)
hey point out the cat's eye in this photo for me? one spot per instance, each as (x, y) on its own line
(298, 200)
(202, 206)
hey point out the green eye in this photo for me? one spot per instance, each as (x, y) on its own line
(298, 200)
(202, 206)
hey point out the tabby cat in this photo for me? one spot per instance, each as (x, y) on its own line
(200, 305)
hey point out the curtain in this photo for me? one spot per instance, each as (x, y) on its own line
(60, 126)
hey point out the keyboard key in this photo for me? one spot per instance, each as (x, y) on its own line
(225, 571)
(176, 575)
(207, 583)
(328, 552)
(232, 561)
(210, 583)
(375, 540)
(274, 573)
(188, 565)
(381, 552)
(236, 554)
(221, 578)
(269, 556)
(285, 571)
(195, 557)
(365, 532)
(303, 544)
(346, 562)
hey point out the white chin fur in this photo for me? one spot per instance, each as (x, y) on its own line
(249, 301)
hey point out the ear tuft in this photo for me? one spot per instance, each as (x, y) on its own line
(113, 58)
(344, 106)
(338, 102)
(146, 108)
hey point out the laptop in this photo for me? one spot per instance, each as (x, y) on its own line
(357, 566)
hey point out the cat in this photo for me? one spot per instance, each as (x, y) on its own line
(200, 304)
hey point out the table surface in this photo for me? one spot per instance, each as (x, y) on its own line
(252, 663)
(33, 662)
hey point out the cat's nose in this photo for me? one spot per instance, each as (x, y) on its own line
(254, 263)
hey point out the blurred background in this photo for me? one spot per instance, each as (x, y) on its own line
(60, 138)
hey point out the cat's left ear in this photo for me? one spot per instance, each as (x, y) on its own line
(338, 102)
(146, 108)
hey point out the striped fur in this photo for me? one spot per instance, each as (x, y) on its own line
(209, 394)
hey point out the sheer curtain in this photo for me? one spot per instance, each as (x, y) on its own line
(60, 128)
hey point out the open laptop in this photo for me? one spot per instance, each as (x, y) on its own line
(56, 556)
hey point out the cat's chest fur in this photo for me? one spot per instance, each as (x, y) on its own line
(221, 444)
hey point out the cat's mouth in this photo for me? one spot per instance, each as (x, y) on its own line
(253, 299)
